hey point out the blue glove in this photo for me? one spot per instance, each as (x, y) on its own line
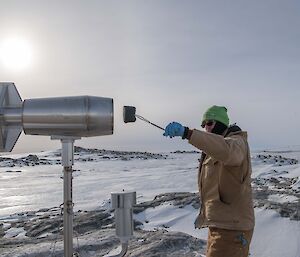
(174, 129)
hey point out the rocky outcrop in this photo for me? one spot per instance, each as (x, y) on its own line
(94, 233)
(80, 154)
(276, 159)
(187, 152)
(93, 236)
(180, 199)
(101, 242)
(29, 160)
(168, 244)
(113, 155)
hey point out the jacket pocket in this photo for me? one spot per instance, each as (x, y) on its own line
(217, 211)
(209, 179)
(229, 186)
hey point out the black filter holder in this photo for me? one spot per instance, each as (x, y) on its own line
(129, 114)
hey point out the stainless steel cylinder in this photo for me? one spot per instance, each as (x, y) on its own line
(82, 116)
(12, 116)
(123, 203)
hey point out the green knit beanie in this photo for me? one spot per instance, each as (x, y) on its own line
(218, 113)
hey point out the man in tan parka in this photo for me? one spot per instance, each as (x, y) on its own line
(224, 182)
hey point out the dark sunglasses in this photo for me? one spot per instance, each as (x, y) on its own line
(207, 123)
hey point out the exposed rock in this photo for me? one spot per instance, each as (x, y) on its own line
(101, 242)
(81, 154)
(187, 152)
(163, 243)
(32, 157)
(94, 234)
(263, 188)
(91, 221)
(30, 160)
(180, 199)
(277, 159)
(113, 155)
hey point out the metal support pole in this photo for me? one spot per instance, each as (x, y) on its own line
(67, 162)
(68, 213)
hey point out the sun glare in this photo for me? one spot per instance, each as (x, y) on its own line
(15, 54)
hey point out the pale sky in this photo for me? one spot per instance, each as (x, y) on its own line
(171, 59)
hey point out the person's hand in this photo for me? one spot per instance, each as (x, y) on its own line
(174, 129)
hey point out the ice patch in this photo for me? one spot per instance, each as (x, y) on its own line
(15, 233)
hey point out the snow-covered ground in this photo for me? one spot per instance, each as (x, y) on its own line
(26, 186)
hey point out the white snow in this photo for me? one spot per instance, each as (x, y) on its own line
(282, 198)
(170, 217)
(275, 236)
(41, 186)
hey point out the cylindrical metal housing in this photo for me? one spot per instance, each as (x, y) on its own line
(12, 116)
(82, 116)
(123, 203)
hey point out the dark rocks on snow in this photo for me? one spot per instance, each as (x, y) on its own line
(180, 199)
(277, 159)
(113, 155)
(81, 154)
(93, 230)
(163, 243)
(30, 160)
(101, 242)
(187, 152)
(263, 188)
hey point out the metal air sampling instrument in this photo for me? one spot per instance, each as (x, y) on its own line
(129, 115)
(63, 118)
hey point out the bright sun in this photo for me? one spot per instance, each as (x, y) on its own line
(15, 54)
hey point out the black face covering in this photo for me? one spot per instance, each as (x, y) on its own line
(219, 128)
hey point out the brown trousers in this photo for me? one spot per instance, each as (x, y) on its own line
(228, 243)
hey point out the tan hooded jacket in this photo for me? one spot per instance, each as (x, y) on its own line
(224, 181)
